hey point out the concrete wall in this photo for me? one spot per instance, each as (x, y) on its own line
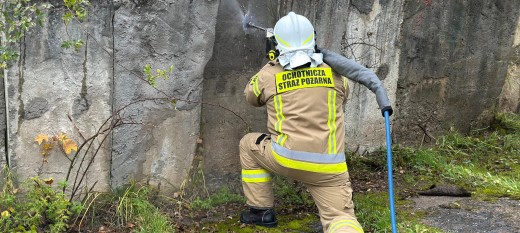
(454, 64)
(160, 33)
(53, 90)
(444, 63)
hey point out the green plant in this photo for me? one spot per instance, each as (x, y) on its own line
(486, 160)
(374, 215)
(134, 209)
(222, 196)
(16, 18)
(41, 207)
(372, 211)
(152, 78)
(509, 122)
(291, 194)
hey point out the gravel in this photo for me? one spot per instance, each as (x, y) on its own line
(455, 214)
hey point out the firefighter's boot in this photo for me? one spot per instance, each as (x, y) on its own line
(261, 217)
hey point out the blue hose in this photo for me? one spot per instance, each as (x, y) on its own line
(390, 180)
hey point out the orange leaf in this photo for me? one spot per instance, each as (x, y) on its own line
(47, 147)
(41, 138)
(62, 137)
(69, 146)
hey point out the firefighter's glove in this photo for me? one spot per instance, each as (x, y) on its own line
(387, 108)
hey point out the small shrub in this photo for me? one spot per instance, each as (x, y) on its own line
(40, 208)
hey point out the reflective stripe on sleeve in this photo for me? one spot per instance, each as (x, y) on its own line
(254, 82)
(309, 161)
(331, 122)
(345, 84)
(255, 175)
(278, 105)
(345, 223)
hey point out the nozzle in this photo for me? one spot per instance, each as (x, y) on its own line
(250, 24)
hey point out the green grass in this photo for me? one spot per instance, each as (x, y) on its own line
(372, 211)
(222, 196)
(135, 208)
(127, 209)
(486, 162)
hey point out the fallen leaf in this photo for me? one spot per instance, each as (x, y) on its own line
(49, 180)
(41, 138)
(69, 146)
(102, 229)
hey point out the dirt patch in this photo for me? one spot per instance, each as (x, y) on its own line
(457, 214)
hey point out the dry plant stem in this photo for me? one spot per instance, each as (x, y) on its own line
(426, 134)
(72, 163)
(76, 127)
(86, 211)
(76, 186)
(114, 123)
(91, 162)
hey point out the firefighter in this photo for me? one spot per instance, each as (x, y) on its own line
(305, 99)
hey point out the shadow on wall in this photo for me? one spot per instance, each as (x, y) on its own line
(238, 54)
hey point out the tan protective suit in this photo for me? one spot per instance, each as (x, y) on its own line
(305, 142)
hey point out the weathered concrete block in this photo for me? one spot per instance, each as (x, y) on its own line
(161, 146)
(44, 85)
(454, 64)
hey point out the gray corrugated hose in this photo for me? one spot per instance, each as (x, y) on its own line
(358, 73)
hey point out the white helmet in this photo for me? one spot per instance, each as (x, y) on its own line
(294, 32)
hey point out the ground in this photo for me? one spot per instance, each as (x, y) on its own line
(455, 214)
(450, 214)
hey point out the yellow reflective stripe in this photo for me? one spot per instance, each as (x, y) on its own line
(255, 176)
(345, 84)
(278, 105)
(282, 41)
(256, 90)
(350, 223)
(308, 39)
(311, 167)
(331, 122)
(281, 139)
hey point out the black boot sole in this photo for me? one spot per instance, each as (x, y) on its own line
(271, 224)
